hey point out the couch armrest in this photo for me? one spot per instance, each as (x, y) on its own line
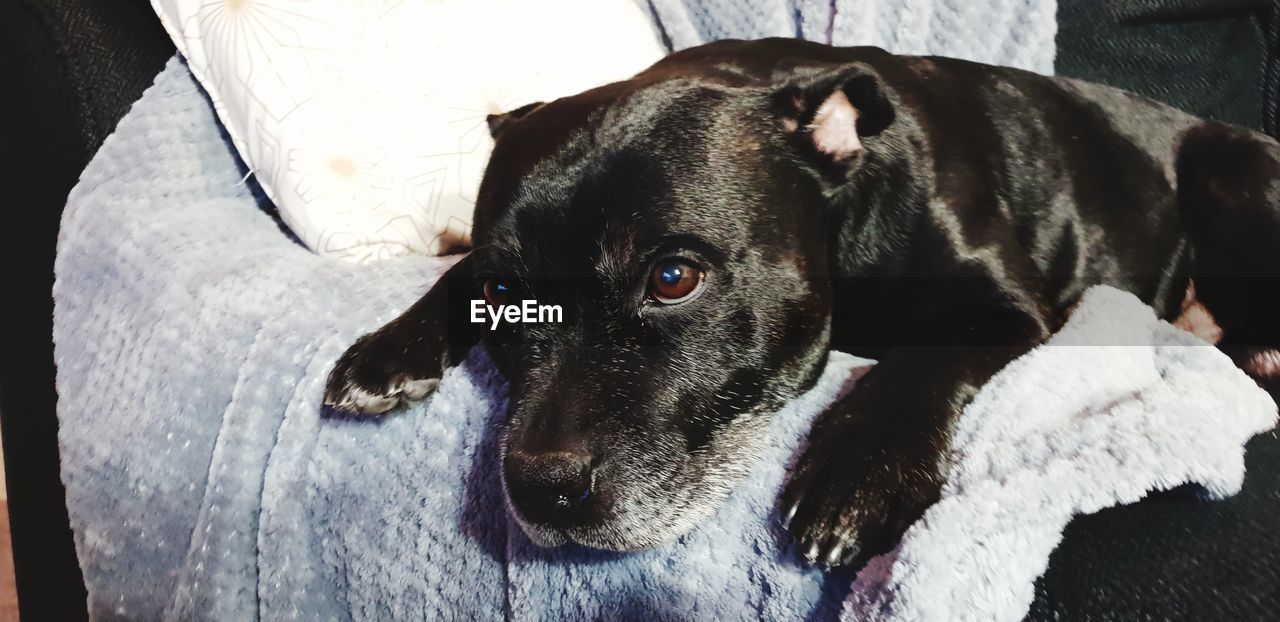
(71, 69)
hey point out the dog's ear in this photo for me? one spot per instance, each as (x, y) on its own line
(499, 121)
(833, 111)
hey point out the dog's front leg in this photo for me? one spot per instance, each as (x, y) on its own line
(404, 360)
(877, 458)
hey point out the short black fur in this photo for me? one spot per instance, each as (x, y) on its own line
(981, 204)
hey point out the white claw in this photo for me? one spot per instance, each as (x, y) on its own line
(355, 399)
(414, 390)
(359, 400)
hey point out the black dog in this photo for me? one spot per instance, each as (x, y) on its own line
(714, 226)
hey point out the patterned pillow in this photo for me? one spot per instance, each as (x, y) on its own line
(364, 120)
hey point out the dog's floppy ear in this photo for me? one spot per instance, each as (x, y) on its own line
(499, 121)
(833, 110)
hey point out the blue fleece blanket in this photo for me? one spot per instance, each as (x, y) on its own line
(192, 341)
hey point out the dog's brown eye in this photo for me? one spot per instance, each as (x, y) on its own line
(497, 291)
(675, 281)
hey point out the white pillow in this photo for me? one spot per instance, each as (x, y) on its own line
(364, 120)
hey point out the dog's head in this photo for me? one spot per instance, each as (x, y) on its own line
(681, 221)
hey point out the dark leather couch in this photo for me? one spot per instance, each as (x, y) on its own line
(73, 67)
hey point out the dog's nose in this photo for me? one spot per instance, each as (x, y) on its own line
(548, 487)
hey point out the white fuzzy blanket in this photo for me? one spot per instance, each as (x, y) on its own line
(193, 339)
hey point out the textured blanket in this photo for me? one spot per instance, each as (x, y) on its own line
(192, 341)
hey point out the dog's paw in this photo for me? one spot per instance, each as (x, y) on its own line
(855, 491)
(370, 379)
